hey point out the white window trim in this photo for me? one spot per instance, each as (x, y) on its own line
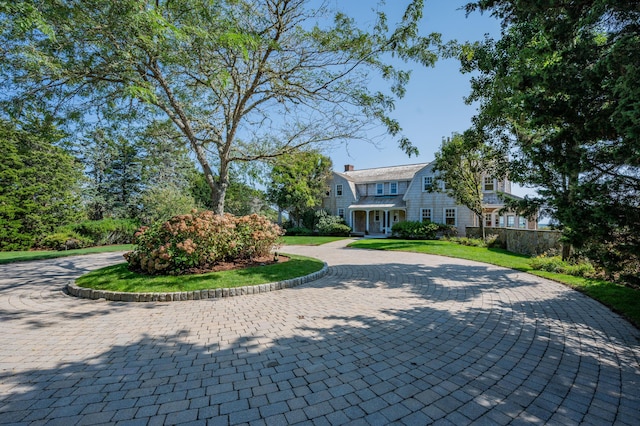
(380, 185)
(430, 214)
(490, 217)
(424, 179)
(455, 212)
(493, 184)
(391, 192)
(341, 190)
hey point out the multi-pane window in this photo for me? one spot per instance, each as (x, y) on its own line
(339, 190)
(487, 220)
(393, 188)
(511, 221)
(501, 222)
(426, 215)
(341, 213)
(376, 216)
(488, 184)
(522, 222)
(427, 183)
(379, 189)
(450, 216)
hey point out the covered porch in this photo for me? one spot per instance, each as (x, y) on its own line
(376, 215)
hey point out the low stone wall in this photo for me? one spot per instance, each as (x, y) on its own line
(524, 241)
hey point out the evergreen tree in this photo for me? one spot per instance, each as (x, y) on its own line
(113, 165)
(38, 186)
(560, 90)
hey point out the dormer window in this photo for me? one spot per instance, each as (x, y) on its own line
(393, 188)
(427, 183)
(489, 184)
(339, 190)
(379, 189)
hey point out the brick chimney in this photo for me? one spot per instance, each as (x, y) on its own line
(348, 167)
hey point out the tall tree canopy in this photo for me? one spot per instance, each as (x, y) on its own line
(299, 181)
(241, 80)
(559, 88)
(462, 163)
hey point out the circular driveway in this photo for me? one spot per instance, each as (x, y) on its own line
(384, 337)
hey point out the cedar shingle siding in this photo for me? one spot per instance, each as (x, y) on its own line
(366, 210)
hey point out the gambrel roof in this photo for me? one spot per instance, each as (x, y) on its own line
(406, 172)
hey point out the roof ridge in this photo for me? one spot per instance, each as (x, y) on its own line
(386, 167)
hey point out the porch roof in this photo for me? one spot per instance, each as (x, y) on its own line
(379, 202)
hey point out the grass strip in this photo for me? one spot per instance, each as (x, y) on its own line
(119, 278)
(299, 240)
(619, 298)
(20, 256)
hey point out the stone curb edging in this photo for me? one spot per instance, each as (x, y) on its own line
(89, 293)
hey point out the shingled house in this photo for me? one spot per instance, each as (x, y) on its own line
(372, 200)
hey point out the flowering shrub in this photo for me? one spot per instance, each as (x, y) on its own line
(201, 239)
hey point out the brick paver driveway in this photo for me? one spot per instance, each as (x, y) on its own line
(383, 338)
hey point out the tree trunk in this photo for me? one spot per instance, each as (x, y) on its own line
(219, 188)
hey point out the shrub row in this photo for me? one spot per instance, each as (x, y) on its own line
(90, 233)
(579, 268)
(490, 241)
(325, 225)
(416, 230)
(200, 240)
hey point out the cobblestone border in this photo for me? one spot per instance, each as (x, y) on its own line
(89, 293)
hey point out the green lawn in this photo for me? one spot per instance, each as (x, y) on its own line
(619, 298)
(119, 278)
(309, 240)
(18, 256)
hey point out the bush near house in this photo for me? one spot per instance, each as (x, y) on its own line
(298, 231)
(331, 225)
(416, 230)
(325, 225)
(201, 240)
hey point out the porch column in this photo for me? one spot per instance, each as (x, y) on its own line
(367, 221)
(351, 220)
(387, 217)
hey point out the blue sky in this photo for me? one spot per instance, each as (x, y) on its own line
(433, 106)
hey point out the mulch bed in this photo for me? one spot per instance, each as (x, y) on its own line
(239, 264)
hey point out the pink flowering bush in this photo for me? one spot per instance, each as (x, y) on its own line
(200, 240)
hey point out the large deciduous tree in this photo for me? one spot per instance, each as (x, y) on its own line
(461, 164)
(560, 89)
(299, 181)
(241, 80)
